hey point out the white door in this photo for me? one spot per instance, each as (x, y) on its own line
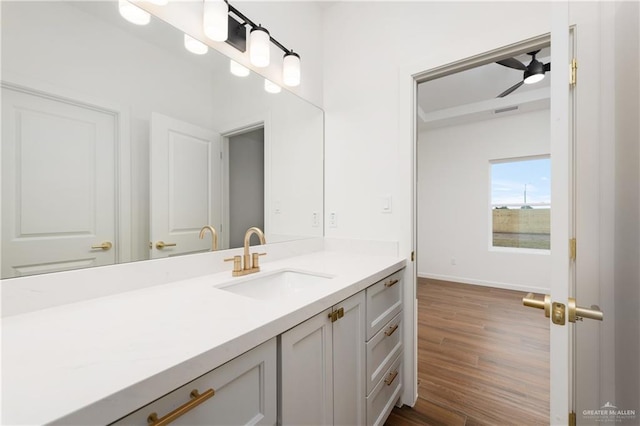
(58, 185)
(185, 186)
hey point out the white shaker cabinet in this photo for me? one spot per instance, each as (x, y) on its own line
(322, 367)
(241, 392)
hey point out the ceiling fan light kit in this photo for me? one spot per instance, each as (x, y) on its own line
(533, 73)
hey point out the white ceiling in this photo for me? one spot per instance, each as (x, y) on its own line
(475, 90)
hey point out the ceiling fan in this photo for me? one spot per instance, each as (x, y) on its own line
(533, 73)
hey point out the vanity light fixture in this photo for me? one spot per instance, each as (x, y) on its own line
(259, 38)
(195, 46)
(237, 69)
(259, 47)
(133, 13)
(271, 87)
(216, 20)
(291, 69)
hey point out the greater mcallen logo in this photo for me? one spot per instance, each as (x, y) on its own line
(609, 413)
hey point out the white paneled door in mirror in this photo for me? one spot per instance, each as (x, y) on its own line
(58, 191)
(185, 186)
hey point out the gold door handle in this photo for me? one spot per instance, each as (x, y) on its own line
(196, 399)
(545, 304)
(161, 244)
(391, 283)
(392, 329)
(391, 378)
(577, 313)
(104, 246)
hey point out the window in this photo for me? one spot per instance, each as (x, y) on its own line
(521, 203)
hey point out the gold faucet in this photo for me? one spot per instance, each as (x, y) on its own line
(251, 264)
(214, 236)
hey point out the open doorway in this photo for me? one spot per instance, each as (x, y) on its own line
(246, 183)
(483, 358)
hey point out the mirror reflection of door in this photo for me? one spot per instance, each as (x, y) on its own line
(185, 186)
(58, 184)
(246, 184)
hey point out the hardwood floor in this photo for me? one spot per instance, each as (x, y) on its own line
(483, 358)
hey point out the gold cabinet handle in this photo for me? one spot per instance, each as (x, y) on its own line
(392, 329)
(545, 304)
(391, 283)
(391, 378)
(196, 399)
(104, 246)
(577, 313)
(161, 244)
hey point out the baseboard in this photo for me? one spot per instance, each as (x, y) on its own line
(495, 284)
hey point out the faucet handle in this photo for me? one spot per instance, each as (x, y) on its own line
(254, 259)
(237, 263)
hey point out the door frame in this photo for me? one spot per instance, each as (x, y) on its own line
(227, 131)
(123, 191)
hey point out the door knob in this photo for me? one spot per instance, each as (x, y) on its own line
(530, 301)
(161, 244)
(577, 313)
(104, 246)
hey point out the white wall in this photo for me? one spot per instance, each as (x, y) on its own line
(371, 50)
(454, 193)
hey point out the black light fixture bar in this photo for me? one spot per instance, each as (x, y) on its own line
(252, 24)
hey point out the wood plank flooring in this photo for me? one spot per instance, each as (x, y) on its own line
(483, 358)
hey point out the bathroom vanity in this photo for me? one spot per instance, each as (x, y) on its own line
(225, 349)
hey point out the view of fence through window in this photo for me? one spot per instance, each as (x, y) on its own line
(521, 203)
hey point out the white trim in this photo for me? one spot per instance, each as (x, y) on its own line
(122, 155)
(483, 283)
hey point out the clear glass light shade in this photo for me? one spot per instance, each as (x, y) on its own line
(216, 19)
(291, 69)
(133, 13)
(237, 69)
(271, 87)
(195, 46)
(534, 78)
(259, 47)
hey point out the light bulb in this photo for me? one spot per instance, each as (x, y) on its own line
(133, 13)
(271, 87)
(195, 46)
(534, 78)
(237, 69)
(259, 47)
(216, 19)
(291, 69)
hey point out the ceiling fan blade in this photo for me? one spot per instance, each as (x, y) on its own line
(512, 63)
(510, 89)
(547, 67)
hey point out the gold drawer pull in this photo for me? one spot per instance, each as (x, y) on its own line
(196, 399)
(391, 378)
(392, 329)
(391, 283)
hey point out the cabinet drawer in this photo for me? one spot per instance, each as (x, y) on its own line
(384, 301)
(383, 397)
(382, 350)
(245, 393)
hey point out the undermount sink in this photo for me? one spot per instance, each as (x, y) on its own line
(276, 285)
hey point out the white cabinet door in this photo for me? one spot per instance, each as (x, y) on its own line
(185, 186)
(58, 184)
(306, 372)
(244, 393)
(349, 384)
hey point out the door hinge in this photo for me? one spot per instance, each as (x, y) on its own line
(573, 249)
(573, 78)
(413, 256)
(572, 418)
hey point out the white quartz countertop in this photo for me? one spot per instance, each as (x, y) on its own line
(95, 361)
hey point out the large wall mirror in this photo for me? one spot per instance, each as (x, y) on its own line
(120, 145)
